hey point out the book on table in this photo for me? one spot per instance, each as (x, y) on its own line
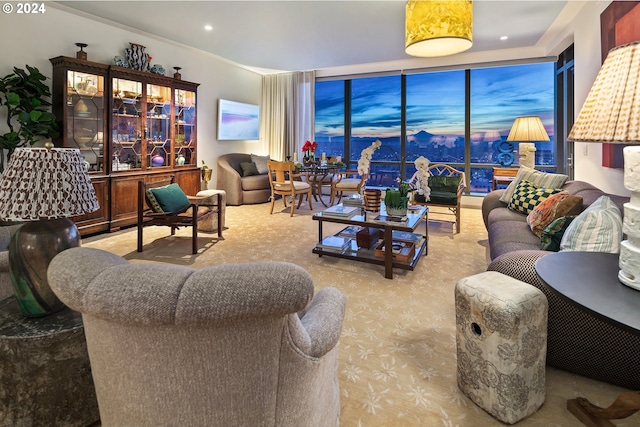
(349, 231)
(405, 236)
(353, 200)
(390, 219)
(335, 244)
(341, 211)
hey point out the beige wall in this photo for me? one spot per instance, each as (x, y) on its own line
(33, 39)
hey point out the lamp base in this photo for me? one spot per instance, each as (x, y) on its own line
(31, 250)
(630, 249)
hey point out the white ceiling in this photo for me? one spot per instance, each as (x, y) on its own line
(306, 35)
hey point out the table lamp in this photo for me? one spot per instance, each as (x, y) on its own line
(43, 187)
(611, 114)
(526, 130)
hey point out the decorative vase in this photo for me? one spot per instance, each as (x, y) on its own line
(136, 57)
(372, 199)
(396, 211)
(157, 160)
(180, 160)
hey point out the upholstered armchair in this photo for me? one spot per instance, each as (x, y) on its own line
(231, 345)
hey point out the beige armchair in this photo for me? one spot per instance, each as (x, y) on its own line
(232, 345)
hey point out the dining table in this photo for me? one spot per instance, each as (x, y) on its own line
(318, 175)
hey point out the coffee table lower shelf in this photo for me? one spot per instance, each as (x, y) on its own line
(367, 255)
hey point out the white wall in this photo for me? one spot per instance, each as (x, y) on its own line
(33, 39)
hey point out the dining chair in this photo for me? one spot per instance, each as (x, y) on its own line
(347, 181)
(283, 183)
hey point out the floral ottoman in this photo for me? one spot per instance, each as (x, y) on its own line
(501, 336)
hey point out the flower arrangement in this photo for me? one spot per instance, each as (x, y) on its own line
(421, 177)
(365, 157)
(396, 199)
(309, 148)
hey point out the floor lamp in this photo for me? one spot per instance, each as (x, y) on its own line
(611, 114)
(43, 187)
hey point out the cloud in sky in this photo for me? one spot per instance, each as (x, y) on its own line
(435, 101)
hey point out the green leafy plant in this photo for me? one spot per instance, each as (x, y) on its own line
(398, 197)
(26, 99)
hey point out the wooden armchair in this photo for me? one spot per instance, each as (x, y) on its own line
(164, 203)
(282, 178)
(347, 181)
(447, 185)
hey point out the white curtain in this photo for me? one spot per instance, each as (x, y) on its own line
(287, 112)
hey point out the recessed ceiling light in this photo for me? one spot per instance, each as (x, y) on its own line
(504, 37)
(208, 27)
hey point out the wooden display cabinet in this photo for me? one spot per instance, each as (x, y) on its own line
(129, 125)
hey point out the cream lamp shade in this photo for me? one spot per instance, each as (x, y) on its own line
(611, 114)
(525, 130)
(438, 28)
(43, 186)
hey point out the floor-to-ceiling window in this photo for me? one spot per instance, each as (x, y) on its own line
(458, 117)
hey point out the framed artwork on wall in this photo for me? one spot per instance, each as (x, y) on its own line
(618, 25)
(238, 121)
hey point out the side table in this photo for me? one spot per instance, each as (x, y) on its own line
(502, 176)
(589, 280)
(44, 370)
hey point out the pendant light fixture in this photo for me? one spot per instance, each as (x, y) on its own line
(438, 27)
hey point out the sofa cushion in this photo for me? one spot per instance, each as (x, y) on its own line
(509, 236)
(551, 236)
(261, 163)
(541, 179)
(528, 195)
(256, 182)
(171, 198)
(555, 206)
(249, 169)
(597, 229)
(445, 184)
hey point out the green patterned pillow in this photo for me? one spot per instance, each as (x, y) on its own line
(541, 179)
(552, 234)
(527, 196)
(597, 229)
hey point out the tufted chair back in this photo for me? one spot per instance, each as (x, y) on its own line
(232, 345)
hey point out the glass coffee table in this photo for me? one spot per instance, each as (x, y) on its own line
(383, 252)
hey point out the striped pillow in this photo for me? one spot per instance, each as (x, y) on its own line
(597, 229)
(541, 179)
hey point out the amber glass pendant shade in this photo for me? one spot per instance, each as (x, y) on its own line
(438, 28)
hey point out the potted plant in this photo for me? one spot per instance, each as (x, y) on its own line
(26, 99)
(397, 199)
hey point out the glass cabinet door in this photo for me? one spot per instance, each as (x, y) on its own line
(126, 125)
(157, 131)
(85, 117)
(185, 127)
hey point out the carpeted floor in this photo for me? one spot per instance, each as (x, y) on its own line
(397, 358)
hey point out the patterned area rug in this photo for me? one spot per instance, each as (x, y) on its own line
(397, 354)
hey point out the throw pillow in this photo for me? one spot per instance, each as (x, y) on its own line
(153, 202)
(551, 236)
(249, 168)
(555, 206)
(541, 179)
(597, 229)
(527, 196)
(171, 198)
(261, 163)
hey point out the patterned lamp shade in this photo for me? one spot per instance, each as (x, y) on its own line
(43, 183)
(611, 112)
(438, 28)
(527, 129)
